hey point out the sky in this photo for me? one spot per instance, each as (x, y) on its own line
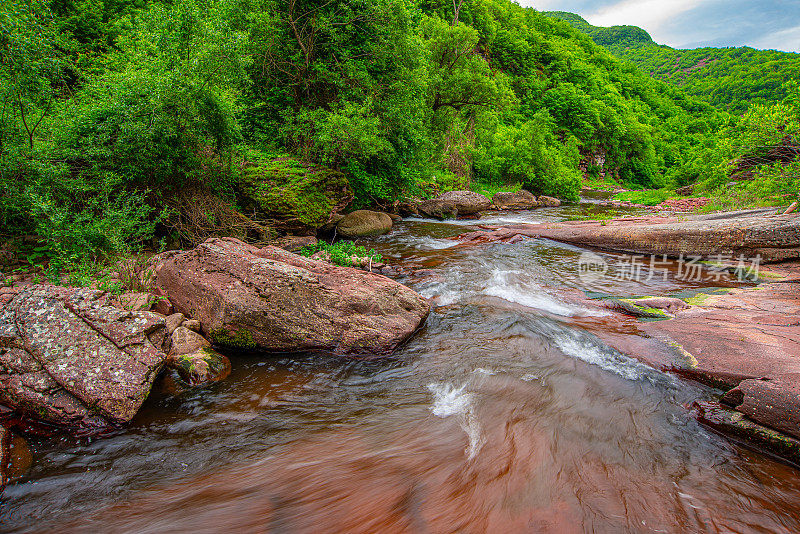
(764, 24)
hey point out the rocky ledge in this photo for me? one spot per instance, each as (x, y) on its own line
(768, 234)
(70, 359)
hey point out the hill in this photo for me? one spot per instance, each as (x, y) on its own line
(115, 114)
(729, 78)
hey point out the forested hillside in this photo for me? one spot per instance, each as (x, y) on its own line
(128, 120)
(729, 78)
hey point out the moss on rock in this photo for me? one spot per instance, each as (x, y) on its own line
(240, 339)
(295, 195)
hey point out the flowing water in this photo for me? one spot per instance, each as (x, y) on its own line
(503, 414)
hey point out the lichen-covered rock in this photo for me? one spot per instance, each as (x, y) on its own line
(467, 202)
(173, 321)
(773, 402)
(364, 223)
(739, 426)
(520, 200)
(293, 196)
(136, 301)
(647, 307)
(185, 341)
(193, 325)
(273, 300)
(194, 360)
(69, 358)
(202, 367)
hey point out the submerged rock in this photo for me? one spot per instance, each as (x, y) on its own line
(15, 457)
(520, 200)
(364, 223)
(68, 358)
(273, 300)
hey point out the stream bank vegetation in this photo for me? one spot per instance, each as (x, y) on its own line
(134, 124)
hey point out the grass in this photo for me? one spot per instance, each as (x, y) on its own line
(489, 190)
(344, 253)
(651, 197)
(601, 184)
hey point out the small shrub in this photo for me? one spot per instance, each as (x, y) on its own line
(344, 253)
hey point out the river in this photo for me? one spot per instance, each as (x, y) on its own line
(503, 414)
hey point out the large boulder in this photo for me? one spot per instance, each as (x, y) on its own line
(549, 202)
(520, 200)
(467, 202)
(437, 209)
(364, 223)
(68, 358)
(293, 196)
(273, 300)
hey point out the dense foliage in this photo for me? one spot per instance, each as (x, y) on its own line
(109, 111)
(729, 78)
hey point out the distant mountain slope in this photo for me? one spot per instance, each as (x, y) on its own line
(730, 78)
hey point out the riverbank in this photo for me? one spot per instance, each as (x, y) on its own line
(505, 395)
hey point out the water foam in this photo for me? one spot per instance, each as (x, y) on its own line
(432, 243)
(584, 348)
(532, 295)
(441, 293)
(449, 400)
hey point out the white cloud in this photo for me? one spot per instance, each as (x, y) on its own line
(542, 5)
(783, 40)
(648, 14)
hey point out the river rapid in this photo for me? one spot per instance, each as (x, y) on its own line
(505, 413)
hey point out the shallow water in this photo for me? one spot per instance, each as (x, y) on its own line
(502, 414)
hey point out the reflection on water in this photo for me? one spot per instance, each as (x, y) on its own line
(501, 415)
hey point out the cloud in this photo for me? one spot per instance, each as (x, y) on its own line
(783, 40)
(766, 24)
(649, 14)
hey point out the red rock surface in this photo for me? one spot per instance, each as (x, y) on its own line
(277, 301)
(772, 237)
(68, 358)
(682, 204)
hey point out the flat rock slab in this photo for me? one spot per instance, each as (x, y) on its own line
(743, 334)
(746, 341)
(772, 237)
(69, 358)
(272, 300)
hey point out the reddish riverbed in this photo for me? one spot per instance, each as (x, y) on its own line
(502, 415)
